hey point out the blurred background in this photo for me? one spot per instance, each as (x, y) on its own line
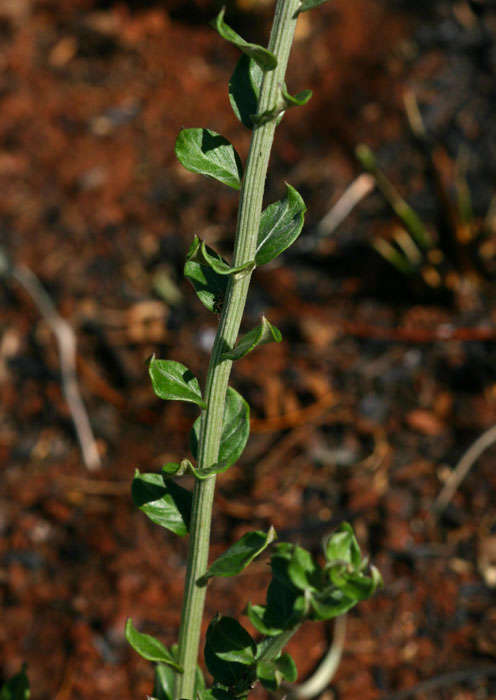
(387, 372)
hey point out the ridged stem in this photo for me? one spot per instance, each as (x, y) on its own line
(250, 209)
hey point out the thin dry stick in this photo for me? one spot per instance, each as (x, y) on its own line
(353, 195)
(66, 341)
(327, 668)
(463, 467)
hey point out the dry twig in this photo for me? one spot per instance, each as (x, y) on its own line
(66, 341)
(463, 467)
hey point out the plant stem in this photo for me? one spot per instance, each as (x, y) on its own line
(250, 209)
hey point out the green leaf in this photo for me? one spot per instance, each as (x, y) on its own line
(265, 59)
(268, 676)
(264, 333)
(163, 501)
(171, 468)
(343, 546)
(172, 380)
(256, 614)
(17, 687)
(205, 152)
(214, 260)
(302, 569)
(229, 649)
(280, 226)
(272, 673)
(148, 647)
(165, 678)
(328, 604)
(287, 667)
(240, 554)
(235, 431)
(306, 5)
(244, 89)
(209, 285)
(298, 100)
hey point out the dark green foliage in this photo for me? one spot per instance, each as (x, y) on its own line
(229, 651)
(17, 687)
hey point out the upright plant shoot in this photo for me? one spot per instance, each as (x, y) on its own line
(300, 589)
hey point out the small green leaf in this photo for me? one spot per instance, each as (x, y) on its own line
(343, 546)
(165, 678)
(287, 667)
(163, 501)
(306, 5)
(265, 59)
(171, 468)
(272, 673)
(240, 554)
(264, 333)
(235, 431)
(229, 649)
(172, 380)
(256, 614)
(298, 100)
(17, 687)
(285, 102)
(244, 89)
(148, 647)
(280, 226)
(328, 604)
(209, 286)
(268, 676)
(302, 569)
(205, 152)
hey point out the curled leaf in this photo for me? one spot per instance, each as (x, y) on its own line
(205, 152)
(213, 260)
(298, 100)
(280, 226)
(244, 89)
(264, 333)
(163, 501)
(172, 380)
(209, 286)
(265, 58)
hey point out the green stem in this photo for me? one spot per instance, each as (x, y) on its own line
(250, 209)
